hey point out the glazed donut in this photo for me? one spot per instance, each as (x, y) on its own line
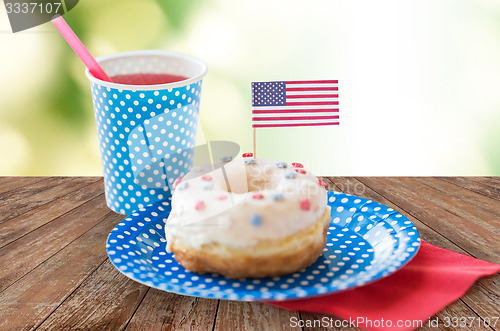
(248, 218)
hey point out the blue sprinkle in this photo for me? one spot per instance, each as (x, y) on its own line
(226, 158)
(256, 219)
(290, 175)
(282, 165)
(250, 161)
(277, 196)
(183, 185)
(208, 186)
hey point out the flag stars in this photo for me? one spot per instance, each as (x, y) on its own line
(268, 93)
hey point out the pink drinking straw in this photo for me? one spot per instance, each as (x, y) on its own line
(80, 50)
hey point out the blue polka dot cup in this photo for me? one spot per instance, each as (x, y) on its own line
(146, 132)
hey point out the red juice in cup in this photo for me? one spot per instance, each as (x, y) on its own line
(147, 79)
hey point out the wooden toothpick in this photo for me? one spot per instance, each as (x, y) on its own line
(254, 143)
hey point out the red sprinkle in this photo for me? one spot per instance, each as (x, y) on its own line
(300, 171)
(247, 155)
(257, 196)
(206, 177)
(221, 197)
(297, 165)
(177, 182)
(322, 183)
(305, 204)
(199, 205)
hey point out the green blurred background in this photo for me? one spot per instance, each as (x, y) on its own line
(419, 81)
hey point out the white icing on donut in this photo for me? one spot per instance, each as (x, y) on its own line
(242, 202)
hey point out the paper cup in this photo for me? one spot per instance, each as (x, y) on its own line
(146, 132)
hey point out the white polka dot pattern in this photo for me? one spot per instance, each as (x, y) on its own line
(146, 139)
(366, 241)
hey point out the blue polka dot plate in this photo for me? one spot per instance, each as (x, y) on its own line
(366, 242)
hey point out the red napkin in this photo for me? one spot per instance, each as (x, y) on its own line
(433, 279)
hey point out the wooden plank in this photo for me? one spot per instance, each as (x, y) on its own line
(17, 227)
(332, 322)
(167, 311)
(29, 301)
(7, 179)
(457, 310)
(106, 300)
(490, 181)
(489, 188)
(348, 185)
(26, 253)
(330, 185)
(11, 183)
(483, 297)
(17, 205)
(468, 235)
(455, 205)
(495, 180)
(33, 188)
(448, 189)
(234, 315)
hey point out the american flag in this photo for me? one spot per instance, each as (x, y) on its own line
(295, 103)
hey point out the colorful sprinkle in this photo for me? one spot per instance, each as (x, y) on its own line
(177, 182)
(297, 165)
(282, 165)
(256, 219)
(250, 161)
(221, 197)
(300, 171)
(247, 155)
(257, 196)
(199, 205)
(226, 158)
(322, 183)
(206, 178)
(182, 186)
(305, 204)
(290, 175)
(277, 196)
(208, 186)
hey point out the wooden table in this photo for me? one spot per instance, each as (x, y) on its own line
(55, 272)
